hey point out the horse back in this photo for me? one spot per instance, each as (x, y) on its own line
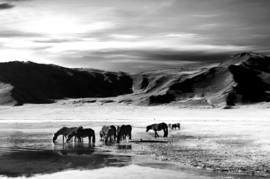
(160, 126)
(129, 128)
(65, 130)
(125, 129)
(85, 132)
(113, 128)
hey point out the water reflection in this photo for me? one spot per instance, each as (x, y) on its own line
(74, 148)
(30, 154)
(124, 147)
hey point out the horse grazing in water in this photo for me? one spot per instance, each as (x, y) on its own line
(104, 131)
(123, 131)
(174, 126)
(158, 127)
(109, 133)
(80, 133)
(64, 131)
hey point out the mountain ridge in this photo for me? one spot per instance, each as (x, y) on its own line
(231, 82)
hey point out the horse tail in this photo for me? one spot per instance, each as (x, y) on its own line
(166, 131)
(130, 132)
(94, 137)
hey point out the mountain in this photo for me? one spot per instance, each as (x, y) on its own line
(181, 86)
(251, 73)
(244, 78)
(28, 82)
(241, 79)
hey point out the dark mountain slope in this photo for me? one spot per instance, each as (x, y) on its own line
(252, 78)
(39, 83)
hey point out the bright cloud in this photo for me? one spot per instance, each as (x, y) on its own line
(70, 32)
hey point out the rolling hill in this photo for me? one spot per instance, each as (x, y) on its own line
(244, 78)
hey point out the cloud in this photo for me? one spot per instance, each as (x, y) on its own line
(124, 36)
(16, 0)
(144, 60)
(181, 35)
(5, 6)
(13, 33)
(164, 55)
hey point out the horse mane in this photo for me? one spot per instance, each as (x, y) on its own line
(60, 131)
(150, 126)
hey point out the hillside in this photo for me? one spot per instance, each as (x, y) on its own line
(27, 82)
(244, 78)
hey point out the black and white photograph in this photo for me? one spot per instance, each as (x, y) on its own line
(134, 89)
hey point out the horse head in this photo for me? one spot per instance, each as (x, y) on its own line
(55, 137)
(79, 128)
(101, 134)
(148, 128)
(71, 134)
(69, 137)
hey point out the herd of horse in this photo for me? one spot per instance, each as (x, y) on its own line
(111, 132)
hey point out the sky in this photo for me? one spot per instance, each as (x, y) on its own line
(132, 35)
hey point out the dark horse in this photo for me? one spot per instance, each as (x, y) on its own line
(109, 133)
(104, 131)
(81, 133)
(123, 131)
(63, 131)
(177, 125)
(158, 127)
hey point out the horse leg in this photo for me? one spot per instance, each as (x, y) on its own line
(63, 139)
(156, 134)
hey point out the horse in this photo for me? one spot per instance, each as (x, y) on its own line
(174, 126)
(63, 131)
(169, 125)
(123, 131)
(81, 133)
(104, 130)
(158, 127)
(109, 133)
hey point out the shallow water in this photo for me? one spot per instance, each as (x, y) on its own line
(32, 154)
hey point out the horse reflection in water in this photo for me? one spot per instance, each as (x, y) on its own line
(74, 149)
(124, 147)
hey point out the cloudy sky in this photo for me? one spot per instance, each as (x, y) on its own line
(132, 35)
